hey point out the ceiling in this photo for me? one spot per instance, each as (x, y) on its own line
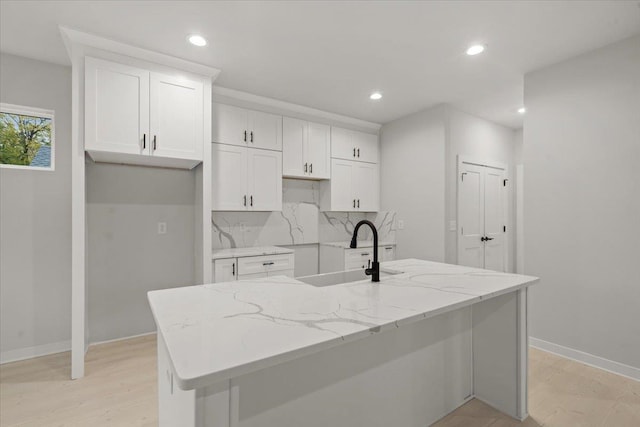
(331, 55)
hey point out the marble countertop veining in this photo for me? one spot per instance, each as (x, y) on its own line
(219, 331)
(252, 251)
(361, 244)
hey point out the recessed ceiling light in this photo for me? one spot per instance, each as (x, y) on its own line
(475, 49)
(375, 96)
(197, 40)
(522, 110)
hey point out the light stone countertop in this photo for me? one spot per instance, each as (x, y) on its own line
(361, 244)
(246, 252)
(219, 331)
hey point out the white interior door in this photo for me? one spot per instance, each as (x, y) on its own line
(471, 216)
(319, 150)
(294, 138)
(481, 217)
(265, 131)
(494, 220)
(116, 107)
(229, 178)
(265, 180)
(176, 117)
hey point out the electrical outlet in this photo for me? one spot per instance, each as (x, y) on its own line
(162, 228)
(400, 224)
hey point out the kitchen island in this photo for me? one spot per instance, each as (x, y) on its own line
(404, 352)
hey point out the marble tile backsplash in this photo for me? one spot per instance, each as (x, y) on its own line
(300, 222)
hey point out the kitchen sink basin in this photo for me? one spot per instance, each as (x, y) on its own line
(339, 277)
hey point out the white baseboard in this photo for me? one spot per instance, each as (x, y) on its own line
(121, 339)
(586, 358)
(35, 351)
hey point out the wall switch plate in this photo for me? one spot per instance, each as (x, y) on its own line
(162, 228)
(453, 226)
(400, 224)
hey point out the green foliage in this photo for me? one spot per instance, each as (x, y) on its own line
(21, 137)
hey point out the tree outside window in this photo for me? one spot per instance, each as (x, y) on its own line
(26, 137)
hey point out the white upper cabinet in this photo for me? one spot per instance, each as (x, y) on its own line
(245, 179)
(353, 145)
(239, 126)
(137, 116)
(265, 131)
(265, 180)
(229, 184)
(306, 149)
(176, 118)
(354, 187)
(116, 107)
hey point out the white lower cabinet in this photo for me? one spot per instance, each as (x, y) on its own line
(245, 179)
(253, 267)
(354, 187)
(334, 258)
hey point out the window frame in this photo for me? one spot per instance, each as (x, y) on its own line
(33, 112)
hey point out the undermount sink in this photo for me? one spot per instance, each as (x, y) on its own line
(340, 277)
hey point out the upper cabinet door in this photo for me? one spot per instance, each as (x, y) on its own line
(318, 151)
(342, 146)
(294, 139)
(366, 147)
(342, 186)
(265, 131)
(230, 125)
(265, 180)
(229, 178)
(176, 119)
(116, 107)
(367, 184)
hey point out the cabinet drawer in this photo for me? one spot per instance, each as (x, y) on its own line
(266, 263)
(357, 258)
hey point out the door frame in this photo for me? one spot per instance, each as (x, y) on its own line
(505, 202)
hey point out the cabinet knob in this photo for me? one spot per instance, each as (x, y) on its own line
(358, 153)
(245, 200)
(354, 203)
(358, 203)
(251, 198)
(311, 168)
(245, 136)
(154, 142)
(354, 152)
(251, 136)
(305, 167)
(144, 141)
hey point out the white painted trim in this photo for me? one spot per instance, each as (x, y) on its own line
(122, 339)
(299, 111)
(520, 219)
(73, 37)
(35, 351)
(586, 358)
(33, 112)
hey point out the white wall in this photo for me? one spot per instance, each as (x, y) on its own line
(582, 202)
(412, 172)
(126, 255)
(478, 139)
(35, 221)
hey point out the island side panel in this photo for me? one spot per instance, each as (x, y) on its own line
(206, 407)
(409, 376)
(499, 356)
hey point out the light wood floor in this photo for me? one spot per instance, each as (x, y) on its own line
(119, 389)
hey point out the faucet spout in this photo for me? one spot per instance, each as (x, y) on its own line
(374, 271)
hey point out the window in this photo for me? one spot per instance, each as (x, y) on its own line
(26, 137)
